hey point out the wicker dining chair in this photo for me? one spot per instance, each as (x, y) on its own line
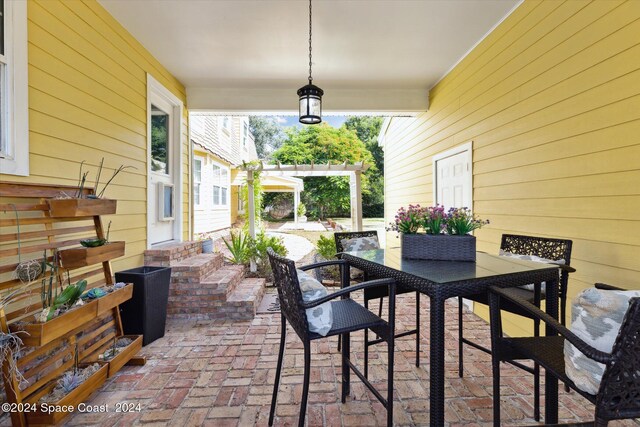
(348, 316)
(618, 396)
(543, 247)
(380, 293)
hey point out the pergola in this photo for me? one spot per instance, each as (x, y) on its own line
(353, 171)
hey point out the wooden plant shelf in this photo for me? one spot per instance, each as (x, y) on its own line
(114, 298)
(83, 257)
(75, 397)
(122, 358)
(65, 208)
(43, 333)
(90, 328)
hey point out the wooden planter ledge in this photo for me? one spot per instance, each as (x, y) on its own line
(67, 208)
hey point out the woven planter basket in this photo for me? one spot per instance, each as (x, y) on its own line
(441, 247)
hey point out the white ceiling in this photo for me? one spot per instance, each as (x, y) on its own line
(368, 55)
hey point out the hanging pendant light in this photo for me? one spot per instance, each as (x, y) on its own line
(310, 95)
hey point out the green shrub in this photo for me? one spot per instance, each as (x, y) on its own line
(259, 252)
(326, 247)
(262, 242)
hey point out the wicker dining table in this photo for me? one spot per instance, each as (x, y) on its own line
(440, 280)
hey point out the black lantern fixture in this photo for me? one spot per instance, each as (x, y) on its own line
(310, 95)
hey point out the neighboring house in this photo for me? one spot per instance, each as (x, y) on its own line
(537, 130)
(87, 89)
(220, 145)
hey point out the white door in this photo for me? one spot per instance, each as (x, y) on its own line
(452, 171)
(453, 181)
(163, 204)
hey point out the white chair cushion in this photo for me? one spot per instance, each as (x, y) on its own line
(320, 318)
(533, 258)
(596, 317)
(360, 244)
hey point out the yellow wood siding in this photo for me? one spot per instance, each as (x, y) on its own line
(551, 101)
(235, 194)
(88, 100)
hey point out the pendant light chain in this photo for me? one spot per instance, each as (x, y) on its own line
(310, 96)
(310, 78)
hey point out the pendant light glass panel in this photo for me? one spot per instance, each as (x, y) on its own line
(310, 104)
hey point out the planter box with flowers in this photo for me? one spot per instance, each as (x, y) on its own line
(446, 234)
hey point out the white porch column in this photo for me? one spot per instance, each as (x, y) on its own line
(252, 213)
(296, 202)
(355, 187)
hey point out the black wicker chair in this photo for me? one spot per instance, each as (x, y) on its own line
(619, 394)
(348, 316)
(381, 293)
(554, 249)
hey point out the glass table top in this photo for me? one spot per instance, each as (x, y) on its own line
(486, 265)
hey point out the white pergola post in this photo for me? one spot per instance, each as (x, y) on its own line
(252, 214)
(355, 186)
(296, 202)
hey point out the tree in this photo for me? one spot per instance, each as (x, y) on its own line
(368, 128)
(324, 144)
(267, 133)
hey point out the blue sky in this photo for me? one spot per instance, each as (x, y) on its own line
(335, 121)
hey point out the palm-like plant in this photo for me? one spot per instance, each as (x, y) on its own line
(239, 247)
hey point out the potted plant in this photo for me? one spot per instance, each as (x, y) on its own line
(206, 242)
(446, 234)
(83, 203)
(93, 251)
(302, 209)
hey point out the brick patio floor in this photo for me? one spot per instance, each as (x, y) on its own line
(221, 373)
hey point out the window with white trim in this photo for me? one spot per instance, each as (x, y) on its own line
(220, 185)
(224, 122)
(245, 136)
(14, 123)
(197, 179)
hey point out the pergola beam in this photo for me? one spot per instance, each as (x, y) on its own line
(353, 171)
(311, 169)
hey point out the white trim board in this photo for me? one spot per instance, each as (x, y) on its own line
(155, 88)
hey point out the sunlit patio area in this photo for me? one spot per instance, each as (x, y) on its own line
(221, 374)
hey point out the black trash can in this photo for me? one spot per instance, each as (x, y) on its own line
(146, 312)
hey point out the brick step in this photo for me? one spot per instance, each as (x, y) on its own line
(205, 297)
(165, 254)
(195, 269)
(224, 280)
(241, 304)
